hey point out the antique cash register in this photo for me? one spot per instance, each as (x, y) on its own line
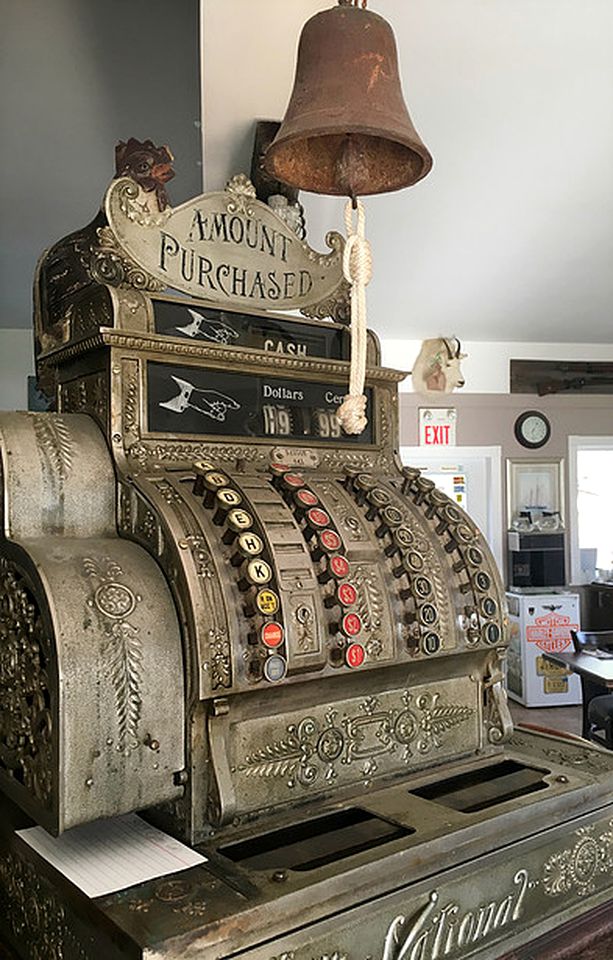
(272, 639)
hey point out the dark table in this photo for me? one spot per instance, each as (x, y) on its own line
(596, 676)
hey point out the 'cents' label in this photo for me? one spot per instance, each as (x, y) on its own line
(272, 634)
(355, 655)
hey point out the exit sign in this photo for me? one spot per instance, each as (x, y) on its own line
(437, 426)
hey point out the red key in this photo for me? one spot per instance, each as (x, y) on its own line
(318, 518)
(293, 480)
(339, 566)
(347, 594)
(351, 624)
(355, 655)
(306, 499)
(272, 634)
(330, 540)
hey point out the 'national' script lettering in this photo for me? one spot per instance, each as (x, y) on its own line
(435, 935)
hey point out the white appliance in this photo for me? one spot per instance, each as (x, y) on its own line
(540, 622)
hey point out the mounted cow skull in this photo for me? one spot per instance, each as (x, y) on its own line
(437, 367)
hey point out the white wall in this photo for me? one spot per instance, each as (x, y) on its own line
(510, 236)
(487, 365)
(248, 56)
(16, 364)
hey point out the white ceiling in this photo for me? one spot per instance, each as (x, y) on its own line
(510, 237)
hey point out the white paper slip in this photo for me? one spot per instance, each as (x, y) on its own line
(110, 855)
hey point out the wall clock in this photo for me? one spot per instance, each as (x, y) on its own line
(532, 429)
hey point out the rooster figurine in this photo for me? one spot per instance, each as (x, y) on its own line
(149, 165)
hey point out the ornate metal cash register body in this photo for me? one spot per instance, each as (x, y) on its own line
(268, 636)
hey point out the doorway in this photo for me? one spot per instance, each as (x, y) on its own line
(591, 517)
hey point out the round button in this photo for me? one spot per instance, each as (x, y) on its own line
(258, 572)
(492, 633)
(278, 469)
(489, 607)
(378, 497)
(306, 498)
(425, 484)
(464, 533)
(214, 480)
(403, 537)
(355, 655)
(452, 513)
(250, 545)
(293, 481)
(330, 540)
(272, 634)
(347, 594)
(428, 614)
(414, 561)
(275, 668)
(474, 556)
(339, 566)
(423, 587)
(483, 581)
(203, 465)
(431, 643)
(351, 624)
(267, 602)
(318, 518)
(227, 498)
(392, 516)
(365, 481)
(239, 520)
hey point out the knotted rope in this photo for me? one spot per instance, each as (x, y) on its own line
(357, 268)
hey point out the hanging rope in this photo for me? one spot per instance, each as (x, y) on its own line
(357, 268)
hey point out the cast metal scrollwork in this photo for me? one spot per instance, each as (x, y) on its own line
(314, 747)
(35, 915)
(26, 688)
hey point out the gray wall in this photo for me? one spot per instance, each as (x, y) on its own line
(488, 420)
(75, 77)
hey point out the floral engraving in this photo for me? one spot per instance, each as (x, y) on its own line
(578, 867)
(314, 748)
(55, 443)
(114, 602)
